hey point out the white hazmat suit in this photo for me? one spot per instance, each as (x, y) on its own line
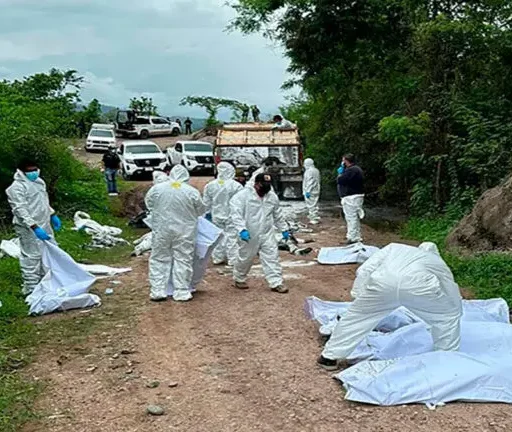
(259, 216)
(159, 177)
(400, 275)
(175, 207)
(311, 190)
(30, 206)
(354, 212)
(217, 195)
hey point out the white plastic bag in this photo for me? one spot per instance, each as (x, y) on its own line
(64, 286)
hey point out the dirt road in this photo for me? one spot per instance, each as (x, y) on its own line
(227, 361)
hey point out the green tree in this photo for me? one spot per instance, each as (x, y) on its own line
(88, 116)
(375, 69)
(36, 114)
(144, 105)
(212, 105)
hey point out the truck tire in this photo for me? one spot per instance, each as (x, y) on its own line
(144, 134)
(175, 132)
(125, 175)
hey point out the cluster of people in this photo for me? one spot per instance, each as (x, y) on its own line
(398, 275)
(246, 215)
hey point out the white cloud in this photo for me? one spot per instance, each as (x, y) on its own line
(167, 49)
(36, 44)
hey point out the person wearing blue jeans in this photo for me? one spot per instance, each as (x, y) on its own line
(112, 163)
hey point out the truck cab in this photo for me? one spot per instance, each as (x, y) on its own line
(250, 145)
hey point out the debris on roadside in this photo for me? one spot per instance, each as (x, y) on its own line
(103, 236)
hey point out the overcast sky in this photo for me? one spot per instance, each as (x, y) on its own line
(166, 49)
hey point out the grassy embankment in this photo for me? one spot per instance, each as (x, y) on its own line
(20, 335)
(487, 275)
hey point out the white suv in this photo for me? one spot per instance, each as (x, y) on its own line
(145, 126)
(193, 155)
(138, 157)
(100, 137)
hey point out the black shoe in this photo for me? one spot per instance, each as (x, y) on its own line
(327, 364)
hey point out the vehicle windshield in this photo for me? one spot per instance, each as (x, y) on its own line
(101, 133)
(198, 147)
(139, 149)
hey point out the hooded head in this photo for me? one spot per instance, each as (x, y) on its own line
(226, 171)
(29, 169)
(429, 247)
(159, 177)
(179, 174)
(309, 163)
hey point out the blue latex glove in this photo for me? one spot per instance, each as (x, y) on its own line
(286, 235)
(308, 195)
(245, 236)
(41, 234)
(341, 170)
(56, 223)
(208, 216)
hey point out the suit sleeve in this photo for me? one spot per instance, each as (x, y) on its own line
(207, 198)
(279, 220)
(237, 207)
(18, 201)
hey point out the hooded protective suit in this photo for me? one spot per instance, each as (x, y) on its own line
(259, 216)
(175, 207)
(216, 196)
(30, 206)
(400, 275)
(159, 177)
(311, 190)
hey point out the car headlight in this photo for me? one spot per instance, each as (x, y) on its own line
(191, 157)
(130, 161)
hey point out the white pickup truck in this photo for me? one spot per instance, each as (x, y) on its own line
(100, 137)
(139, 157)
(131, 124)
(195, 156)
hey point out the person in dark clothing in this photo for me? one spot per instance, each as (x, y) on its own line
(188, 126)
(255, 113)
(178, 121)
(111, 163)
(351, 192)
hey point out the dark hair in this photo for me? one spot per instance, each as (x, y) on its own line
(167, 168)
(263, 178)
(278, 117)
(350, 158)
(27, 163)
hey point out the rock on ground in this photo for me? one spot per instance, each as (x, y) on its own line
(489, 225)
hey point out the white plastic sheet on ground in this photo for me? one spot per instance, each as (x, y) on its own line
(397, 365)
(65, 285)
(103, 270)
(326, 313)
(207, 238)
(356, 253)
(10, 248)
